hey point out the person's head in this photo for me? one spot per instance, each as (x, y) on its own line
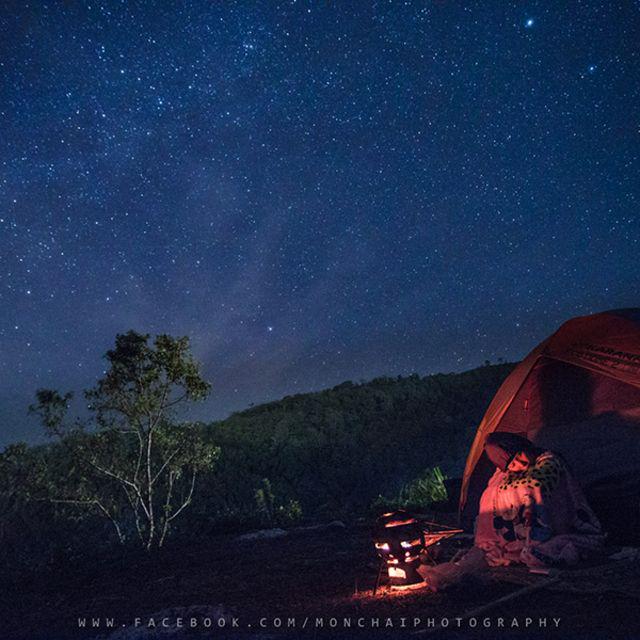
(510, 452)
(521, 461)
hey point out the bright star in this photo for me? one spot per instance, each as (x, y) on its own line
(529, 23)
(269, 328)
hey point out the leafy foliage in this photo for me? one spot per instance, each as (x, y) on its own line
(130, 462)
(336, 450)
(328, 454)
(271, 510)
(418, 494)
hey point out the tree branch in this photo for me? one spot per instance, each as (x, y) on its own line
(187, 502)
(164, 465)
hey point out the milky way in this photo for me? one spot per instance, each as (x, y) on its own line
(312, 191)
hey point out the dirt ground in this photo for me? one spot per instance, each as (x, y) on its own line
(305, 584)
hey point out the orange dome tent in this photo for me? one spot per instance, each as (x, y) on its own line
(577, 393)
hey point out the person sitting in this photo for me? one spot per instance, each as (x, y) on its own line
(533, 511)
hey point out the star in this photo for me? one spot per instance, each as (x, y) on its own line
(367, 189)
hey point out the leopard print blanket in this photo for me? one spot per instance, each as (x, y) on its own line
(538, 517)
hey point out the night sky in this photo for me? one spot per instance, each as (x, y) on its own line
(312, 191)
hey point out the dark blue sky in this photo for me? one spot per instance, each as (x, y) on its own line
(312, 191)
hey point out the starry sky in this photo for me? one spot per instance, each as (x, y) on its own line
(312, 191)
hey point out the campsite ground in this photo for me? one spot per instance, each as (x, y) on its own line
(306, 575)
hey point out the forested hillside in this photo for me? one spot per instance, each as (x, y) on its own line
(334, 451)
(308, 457)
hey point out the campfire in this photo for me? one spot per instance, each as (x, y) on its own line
(402, 542)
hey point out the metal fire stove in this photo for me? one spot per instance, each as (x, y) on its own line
(402, 541)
